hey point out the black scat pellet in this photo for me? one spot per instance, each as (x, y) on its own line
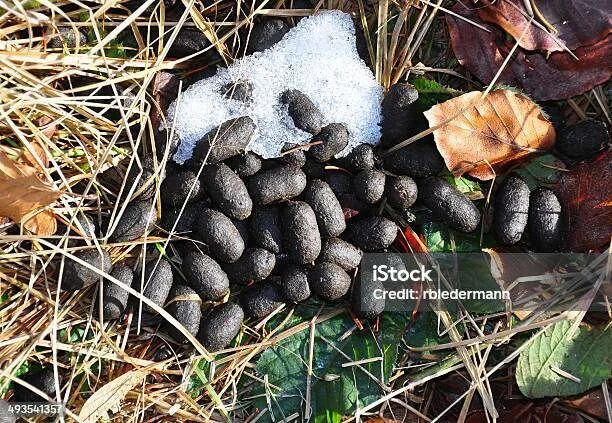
(297, 157)
(43, 379)
(329, 281)
(365, 304)
(371, 233)
(333, 138)
(244, 230)
(326, 207)
(181, 186)
(255, 264)
(294, 284)
(76, 276)
(277, 184)
(220, 326)
(245, 165)
(184, 305)
(220, 235)
(401, 191)
(185, 223)
(227, 191)
(66, 38)
(398, 113)
(360, 158)
(142, 177)
(583, 140)
(166, 140)
(418, 160)
(301, 237)
(265, 227)
(340, 182)
(241, 90)
(545, 220)
(205, 275)
(313, 169)
(511, 209)
(227, 140)
(187, 42)
(361, 43)
(155, 281)
(340, 252)
(137, 218)
(261, 299)
(369, 185)
(306, 116)
(449, 204)
(115, 298)
(266, 33)
(554, 113)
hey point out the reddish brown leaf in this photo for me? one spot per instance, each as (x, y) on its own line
(586, 193)
(497, 130)
(165, 91)
(591, 402)
(558, 77)
(578, 22)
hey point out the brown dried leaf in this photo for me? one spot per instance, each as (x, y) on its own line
(557, 77)
(585, 191)
(577, 23)
(501, 128)
(22, 192)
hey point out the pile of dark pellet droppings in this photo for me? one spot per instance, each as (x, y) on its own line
(278, 231)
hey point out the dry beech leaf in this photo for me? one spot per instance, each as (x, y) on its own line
(501, 128)
(22, 192)
(109, 396)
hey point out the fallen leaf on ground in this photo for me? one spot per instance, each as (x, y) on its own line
(23, 192)
(109, 396)
(501, 128)
(576, 23)
(557, 77)
(591, 402)
(585, 192)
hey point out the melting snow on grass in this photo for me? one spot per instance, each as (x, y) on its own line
(317, 57)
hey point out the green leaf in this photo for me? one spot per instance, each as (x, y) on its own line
(431, 93)
(545, 169)
(584, 354)
(335, 391)
(438, 239)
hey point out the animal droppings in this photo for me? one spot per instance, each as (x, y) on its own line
(205, 275)
(294, 284)
(220, 235)
(277, 184)
(545, 220)
(329, 281)
(326, 207)
(261, 299)
(449, 205)
(511, 209)
(301, 237)
(220, 326)
(255, 264)
(184, 305)
(227, 191)
(77, 276)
